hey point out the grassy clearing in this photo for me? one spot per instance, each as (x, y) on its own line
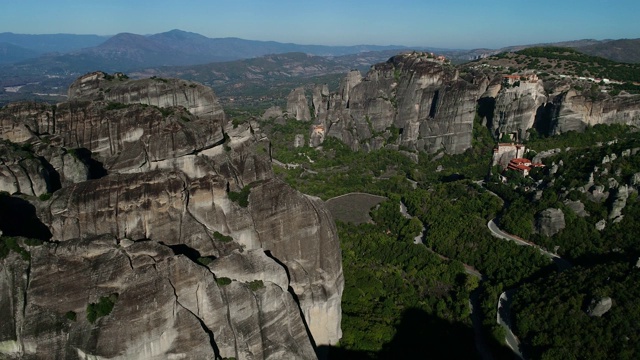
(354, 207)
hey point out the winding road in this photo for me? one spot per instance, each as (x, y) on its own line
(504, 302)
(474, 303)
(561, 263)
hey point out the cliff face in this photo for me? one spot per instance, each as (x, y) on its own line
(420, 104)
(410, 100)
(198, 273)
(516, 109)
(575, 111)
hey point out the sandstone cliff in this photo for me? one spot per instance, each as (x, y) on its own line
(571, 110)
(420, 104)
(516, 109)
(410, 100)
(206, 254)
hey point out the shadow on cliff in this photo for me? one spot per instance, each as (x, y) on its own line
(96, 168)
(422, 336)
(18, 218)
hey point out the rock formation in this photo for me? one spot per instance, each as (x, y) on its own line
(577, 207)
(516, 109)
(423, 104)
(599, 307)
(618, 204)
(21, 173)
(297, 105)
(549, 222)
(572, 110)
(205, 252)
(410, 100)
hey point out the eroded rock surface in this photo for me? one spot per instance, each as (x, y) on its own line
(198, 272)
(599, 307)
(575, 111)
(549, 222)
(410, 100)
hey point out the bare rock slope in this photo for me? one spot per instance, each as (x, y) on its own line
(172, 219)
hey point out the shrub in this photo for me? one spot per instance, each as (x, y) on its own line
(71, 315)
(224, 238)
(115, 106)
(222, 281)
(204, 260)
(8, 244)
(255, 285)
(33, 242)
(242, 197)
(44, 197)
(102, 308)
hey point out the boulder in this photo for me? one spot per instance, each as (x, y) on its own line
(23, 173)
(272, 112)
(577, 207)
(549, 222)
(599, 307)
(298, 141)
(619, 202)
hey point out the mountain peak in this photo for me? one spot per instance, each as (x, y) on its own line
(177, 34)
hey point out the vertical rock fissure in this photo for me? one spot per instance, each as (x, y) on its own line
(434, 104)
(295, 298)
(214, 346)
(228, 314)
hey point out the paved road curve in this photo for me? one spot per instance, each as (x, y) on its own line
(561, 263)
(504, 303)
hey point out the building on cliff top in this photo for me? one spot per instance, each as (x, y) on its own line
(522, 165)
(504, 152)
(512, 79)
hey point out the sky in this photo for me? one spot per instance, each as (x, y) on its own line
(453, 24)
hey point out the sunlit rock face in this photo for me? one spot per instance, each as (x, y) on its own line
(411, 100)
(575, 111)
(149, 211)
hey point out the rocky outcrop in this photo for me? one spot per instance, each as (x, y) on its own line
(197, 99)
(618, 204)
(549, 222)
(170, 304)
(297, 105)
(21, 173)
(272, 112)
(577, 207)
(516, 109)
(410, 100)
(298, 141)
(575, 111)
(209, 254)
(599, 307)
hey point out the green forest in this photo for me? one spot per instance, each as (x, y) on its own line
(390, 281)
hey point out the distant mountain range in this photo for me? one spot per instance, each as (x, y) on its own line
(37, 66)
(623, 50)
(58, 54)
(125, 51)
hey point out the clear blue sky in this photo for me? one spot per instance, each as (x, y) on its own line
(444, 23)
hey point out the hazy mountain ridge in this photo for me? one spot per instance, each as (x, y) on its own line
(623, 50)
(12, 53)
(46, 43)
(175, 47)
